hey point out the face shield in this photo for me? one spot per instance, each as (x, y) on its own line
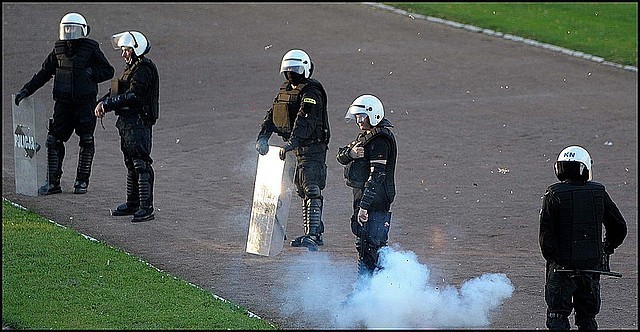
(71, 31)
(354, 110)
(292, 66)
(115, 39)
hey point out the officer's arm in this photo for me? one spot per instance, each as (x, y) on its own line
(267, 127)
(119, 101)
(105, 96)
(43, 75)
(308, 116)
(374, 183)
(140, 82)
(101, 70)
(547, 235)
(614, 224)
(378, 152)
(343, 156)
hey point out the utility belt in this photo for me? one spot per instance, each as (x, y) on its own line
(312, 149)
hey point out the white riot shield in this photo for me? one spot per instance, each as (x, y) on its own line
(271, 201)
(29, 151)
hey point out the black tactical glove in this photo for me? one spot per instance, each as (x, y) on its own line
(262, 145)
(283, 151)
(21, 95)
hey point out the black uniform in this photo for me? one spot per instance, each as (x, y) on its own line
(571, 220)
(373, 190)
(134, 98)
(78, 66)
(299, 116)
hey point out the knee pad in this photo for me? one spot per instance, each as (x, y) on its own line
(86, 141)
(53, 142)
(312, 191)
(140, 165)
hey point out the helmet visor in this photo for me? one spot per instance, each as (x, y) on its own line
(115, 38)
(353, 111)
(294, 66)
(71, 31)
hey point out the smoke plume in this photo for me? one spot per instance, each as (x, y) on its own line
(329, 294)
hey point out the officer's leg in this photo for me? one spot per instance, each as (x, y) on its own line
(298, 180)
(367, 257)
(133, 198)
(558, 293)
(85, 159)
(312, 211)
(145, 190)
(375, 237)
(314, 225)
(84, 123)
(60, 130)
(587, 302)
(55, 155)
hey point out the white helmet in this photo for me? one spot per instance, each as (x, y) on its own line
(133, 39)
(369, 105)
(73, 26)
(573, 162)
(296, 61)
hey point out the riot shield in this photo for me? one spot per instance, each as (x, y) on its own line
(29, 152)
(271, 202)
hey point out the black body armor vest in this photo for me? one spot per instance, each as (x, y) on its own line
(149, 104)
(356, 173)
(581, 215)
(286, 107)
(72, 81)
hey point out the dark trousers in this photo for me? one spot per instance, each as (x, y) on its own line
(70, 117)
(565, 292)
(135, 144)
(370, 238)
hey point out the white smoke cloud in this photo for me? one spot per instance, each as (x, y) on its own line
(398, 296)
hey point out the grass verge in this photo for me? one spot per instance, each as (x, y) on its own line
(604, 29)
(55, 278)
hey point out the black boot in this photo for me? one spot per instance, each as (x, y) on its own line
(133, 204)
(85, 159)
(50, 188)
(54, 170)
(307, 240)
(80, 187)
(125, 209)
(143, 214)
(145, 190)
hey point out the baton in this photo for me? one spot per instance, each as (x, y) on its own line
(609, 273)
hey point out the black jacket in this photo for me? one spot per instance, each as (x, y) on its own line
(78, 66)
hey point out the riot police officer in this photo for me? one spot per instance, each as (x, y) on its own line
(370, 162)
(134, 99)
(78, 65)
(571, 219)
(299, 116)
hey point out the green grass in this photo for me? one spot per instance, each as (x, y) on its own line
(55, 278)
(606, 30)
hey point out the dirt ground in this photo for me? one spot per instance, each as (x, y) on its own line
(479, 122)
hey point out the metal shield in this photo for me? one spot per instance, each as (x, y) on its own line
(271, 202)
(29, 151)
